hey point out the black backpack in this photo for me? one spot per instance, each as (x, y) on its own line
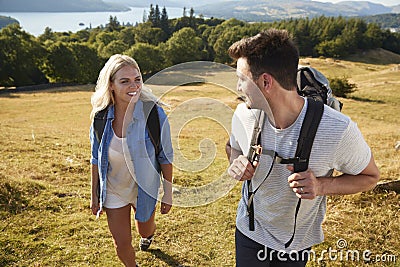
(315, 86)
(152, 123)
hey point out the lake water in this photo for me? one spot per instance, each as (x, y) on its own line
(36, 22)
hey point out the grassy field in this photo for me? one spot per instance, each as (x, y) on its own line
(45, 182)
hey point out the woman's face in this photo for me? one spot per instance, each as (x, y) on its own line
(127, 85)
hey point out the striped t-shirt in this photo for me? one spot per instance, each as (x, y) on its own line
(338, 145)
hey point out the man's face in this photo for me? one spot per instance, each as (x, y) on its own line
(248, 87)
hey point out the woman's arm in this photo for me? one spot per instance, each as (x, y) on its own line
(95, 193)
(166, 202)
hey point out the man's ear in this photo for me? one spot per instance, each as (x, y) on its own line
(266, 81)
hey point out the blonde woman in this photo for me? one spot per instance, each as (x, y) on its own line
(125, 166)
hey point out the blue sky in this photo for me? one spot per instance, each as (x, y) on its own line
(383, 2)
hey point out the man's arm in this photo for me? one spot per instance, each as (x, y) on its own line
(231, 153)
(240, 168)
(350, 184)
(307, 186)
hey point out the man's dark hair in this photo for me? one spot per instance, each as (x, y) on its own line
(272, 51)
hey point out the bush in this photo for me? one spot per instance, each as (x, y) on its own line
(341, 87)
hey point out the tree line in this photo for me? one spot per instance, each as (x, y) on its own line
(159, 42)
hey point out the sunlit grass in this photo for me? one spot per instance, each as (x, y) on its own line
(45, 178)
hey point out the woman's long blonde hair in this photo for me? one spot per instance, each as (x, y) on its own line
(102, 97)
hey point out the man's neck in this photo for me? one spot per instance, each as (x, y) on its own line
(285, 107)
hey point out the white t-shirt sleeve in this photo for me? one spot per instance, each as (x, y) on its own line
(242, 126)
(352, 154)
(234, 143)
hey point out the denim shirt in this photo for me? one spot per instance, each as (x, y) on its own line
(140, 157)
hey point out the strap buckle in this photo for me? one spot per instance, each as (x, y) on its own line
(249, 202)
(295, 160)
(257, 149)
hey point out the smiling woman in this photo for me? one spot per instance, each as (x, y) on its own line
(126, 167)
(126, 86)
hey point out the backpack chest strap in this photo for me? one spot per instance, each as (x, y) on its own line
(258, 150)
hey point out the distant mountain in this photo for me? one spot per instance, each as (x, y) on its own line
(270, 10)
(145, 3)
(161, 3)
(58, 6)
(396, 9)
(364, 8)
(386, 21)
(4, 21)
(246, 10)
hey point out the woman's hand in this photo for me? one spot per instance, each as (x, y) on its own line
(94, 205)
(166, 203)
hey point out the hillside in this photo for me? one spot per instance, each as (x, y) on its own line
(58, 6)
(4, 21)
(45, 180)
(386, 21)
(272, 10)
(377, 56)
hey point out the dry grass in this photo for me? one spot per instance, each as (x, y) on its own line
(44, 178)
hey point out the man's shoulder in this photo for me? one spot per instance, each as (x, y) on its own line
(245, 114)
(334, 118)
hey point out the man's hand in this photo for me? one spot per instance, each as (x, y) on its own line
(241, 169)
(304, 184)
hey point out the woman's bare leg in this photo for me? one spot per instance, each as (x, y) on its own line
(146, 229)
(119, 223)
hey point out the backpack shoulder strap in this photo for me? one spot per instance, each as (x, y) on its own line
(255, 138)
(313, 116)
(252, 156)
(152, 123)
(308, 130)
(99, 122)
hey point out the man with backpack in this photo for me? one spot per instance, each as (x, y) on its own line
(285, 183)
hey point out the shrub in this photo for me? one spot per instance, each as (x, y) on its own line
(341, 87)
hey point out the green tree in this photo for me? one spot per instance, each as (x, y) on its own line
(20, 55)
(224, 41)
(157, 17)
(149, 57)
(164, 22)
(88, 62)
(115, 47)
(332, 48)
(391, 41)
(60, 65)
(219, 29)
(127, 35)
(113, 24)
(181, 23)
(152, 15)
(183, 46)
(103, 39)
(80, 36)
(144, 33)
(373, 36)
(47, 35)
